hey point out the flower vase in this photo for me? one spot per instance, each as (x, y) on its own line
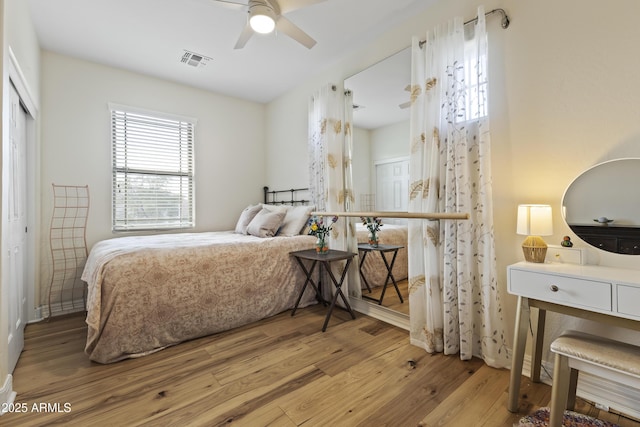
(373, 239)
(321, 245)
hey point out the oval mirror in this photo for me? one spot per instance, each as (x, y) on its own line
(602, 206)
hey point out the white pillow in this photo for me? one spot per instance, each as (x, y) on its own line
(245, 218)
(276, 208)
(266, 223)
(296, 218)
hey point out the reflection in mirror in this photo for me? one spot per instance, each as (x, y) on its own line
(381, 95)
(602, 206)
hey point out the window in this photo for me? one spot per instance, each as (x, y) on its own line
(472, 104)
(476, 78)
(152, 184)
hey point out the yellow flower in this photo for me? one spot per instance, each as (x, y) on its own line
(314, 227)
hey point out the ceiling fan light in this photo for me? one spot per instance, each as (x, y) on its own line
(262, 19)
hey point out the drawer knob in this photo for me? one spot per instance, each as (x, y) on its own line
(553, 288)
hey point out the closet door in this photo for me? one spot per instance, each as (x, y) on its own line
(15, 262)
(392, 186)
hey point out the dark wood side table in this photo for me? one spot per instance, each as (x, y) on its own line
(325, 263)
(365, 248)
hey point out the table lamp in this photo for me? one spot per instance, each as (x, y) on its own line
(534, 221)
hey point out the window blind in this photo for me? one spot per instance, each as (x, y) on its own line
(152, 185)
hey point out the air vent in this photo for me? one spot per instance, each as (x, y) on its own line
(193, 59)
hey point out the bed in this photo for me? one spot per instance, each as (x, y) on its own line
(146, 293)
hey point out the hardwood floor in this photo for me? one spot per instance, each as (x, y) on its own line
(282, 371)
(391, 299)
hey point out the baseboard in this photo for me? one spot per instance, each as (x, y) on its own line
(381, 313)
(59, 309)
(7, 395)
(617, 397)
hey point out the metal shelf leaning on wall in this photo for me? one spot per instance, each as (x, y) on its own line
(68, 245)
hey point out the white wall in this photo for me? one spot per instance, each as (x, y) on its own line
(390, 142)
(564, 94)
(361, 165)
(23, 41)
(229, 139)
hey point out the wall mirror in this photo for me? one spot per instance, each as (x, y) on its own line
(602, 206)
(381, 165)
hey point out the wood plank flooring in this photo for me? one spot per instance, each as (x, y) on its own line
(281, 371)
(391, 299)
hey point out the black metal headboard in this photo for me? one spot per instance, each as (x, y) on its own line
(286, 197)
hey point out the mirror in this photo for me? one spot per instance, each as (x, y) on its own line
(602, 206)
(380, 163)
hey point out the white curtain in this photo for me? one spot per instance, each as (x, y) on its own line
(454, 299)
(330, 168)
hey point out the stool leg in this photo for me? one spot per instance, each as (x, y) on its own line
(573, 386)
(559, 390)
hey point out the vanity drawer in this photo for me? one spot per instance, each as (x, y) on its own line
(628, 298)
(563, 290)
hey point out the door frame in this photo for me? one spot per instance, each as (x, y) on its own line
(32, 253)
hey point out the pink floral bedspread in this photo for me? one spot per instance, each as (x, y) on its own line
(150, 292)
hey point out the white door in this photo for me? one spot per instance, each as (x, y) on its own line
(392, 187)
(16, 260)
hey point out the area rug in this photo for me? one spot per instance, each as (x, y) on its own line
(540, 418)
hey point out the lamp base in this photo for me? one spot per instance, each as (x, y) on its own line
(534, 249)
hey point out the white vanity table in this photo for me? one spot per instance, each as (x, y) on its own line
(603, 294)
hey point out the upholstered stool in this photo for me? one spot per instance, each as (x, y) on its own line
(602, 357)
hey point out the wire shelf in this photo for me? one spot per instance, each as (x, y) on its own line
(68, 245)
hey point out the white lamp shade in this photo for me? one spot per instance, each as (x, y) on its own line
(535, 220)
(262, 19)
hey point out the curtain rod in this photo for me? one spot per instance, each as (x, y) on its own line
(505, 21)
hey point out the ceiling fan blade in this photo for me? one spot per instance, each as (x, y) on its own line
(235, 5)
(245, 35)
(289, 5)
(293, 31)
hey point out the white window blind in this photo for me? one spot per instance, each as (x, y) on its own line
(152, 184)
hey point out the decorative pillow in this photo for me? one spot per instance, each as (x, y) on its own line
(276, 208)
(245, 218)
(266, 223)
(296, 218)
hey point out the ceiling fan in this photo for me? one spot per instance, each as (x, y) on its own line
(267, 15)
(408, 103)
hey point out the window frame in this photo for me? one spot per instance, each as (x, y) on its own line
(183, 167)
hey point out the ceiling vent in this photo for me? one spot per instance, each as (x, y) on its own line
(194, 59)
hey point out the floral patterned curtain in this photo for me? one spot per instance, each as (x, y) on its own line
(455, 303)
(330, 169)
